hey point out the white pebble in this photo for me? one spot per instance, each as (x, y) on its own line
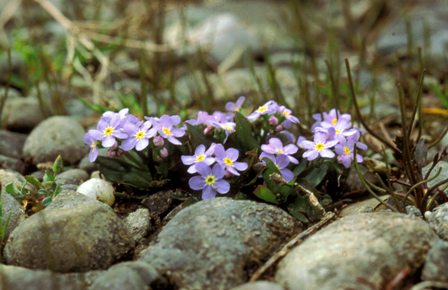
(98, 189)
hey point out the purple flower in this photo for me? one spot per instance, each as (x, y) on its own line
(235, 106)
(289, 118)
(275, 146)
(356, 137)
(166, 130)
(200, 155)
(331, 117)
(319, 147)
(124, 116)
(158, 141)
(210, 180)
(137, 136)
(89, 140)
(345, 151)
(108, 131)
(228, 128)
(227, 159)
(268, 108)
(300, 142)
(281, 162)
(291, 138)
(337, 131)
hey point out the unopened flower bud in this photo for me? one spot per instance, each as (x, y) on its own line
(279, 128)
(111, 153)
(228, 174)
(114, 146)
(273, 121)
(158, 141)
(163, 153)
(207, 129)
(120, 152)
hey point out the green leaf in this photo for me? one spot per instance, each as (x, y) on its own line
(47, 201)
(299, 168)
(299, 206)
(241, 196)
(318, 174)
(5, 225)
(265, 194)
(10, 188)
(198, 137)
(119, 171)
(244, 138)
(191, 200)
(57, 190)
(24, 190)
(48, 178)
(94, 107)
(43, 191)
(34, 182)
(271, 168)
(57, 165)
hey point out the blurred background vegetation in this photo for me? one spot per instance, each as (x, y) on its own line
(178, 57)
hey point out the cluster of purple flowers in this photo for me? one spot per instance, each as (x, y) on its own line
(334, 130)
(122, 131)
(275, 112)
(211, 179)
(131, 132)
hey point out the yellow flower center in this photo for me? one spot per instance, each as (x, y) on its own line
(123, 116)
(108, 131)
(200, 158)
(334, 121)
(228, 162)
(347, 151)
(338, 131)
(286, 114)
(278, 167)
(210, 180)
(93, 145)
(166, 131)
(262, 109)
(227, 127)
(140, 135)
(319, 146)
(279, 151)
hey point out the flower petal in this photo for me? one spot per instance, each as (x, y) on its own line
(208, 192)
(197, 182)
(94, 154)
(218, 171)
(232, 153)
(326, 153)
(108, 141)
(290, 149)
(199, 150)
(188, 160)
(222, 186)
(287, 174)
(203, 169)
(142, 144)
(241, 166)
(311, 154)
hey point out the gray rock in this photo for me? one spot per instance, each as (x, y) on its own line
(86, 165)
(395, 38)
(56, 136)
(73, 187)
(70, 198)
(259, 285)
(366, 208)
(442, 176)
(373, 246)
(11, 205)
(73, 176)
(8, 176)
(22, 114)
(439, 221)
(11, 144)
(159, 202)
(18, 278)
(436, 265)
(39, 174)
(130, 275)
(11, 163)
(77, 237)
(209, 244)
(412, 210)
(138, 223)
